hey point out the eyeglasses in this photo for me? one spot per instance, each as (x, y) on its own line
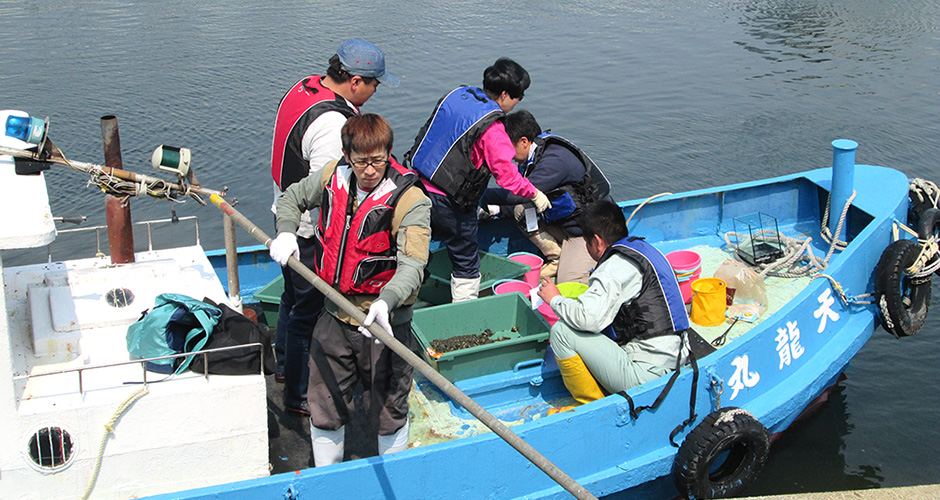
(369, 163)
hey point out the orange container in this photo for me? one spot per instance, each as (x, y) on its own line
(708, 302)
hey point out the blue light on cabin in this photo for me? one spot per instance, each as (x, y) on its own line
(25, 128)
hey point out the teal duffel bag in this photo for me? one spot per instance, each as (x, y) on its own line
(174, 325)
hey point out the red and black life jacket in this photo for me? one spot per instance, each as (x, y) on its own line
(355, 248)
(299, 107)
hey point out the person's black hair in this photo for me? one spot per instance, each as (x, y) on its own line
(505, 75)
(605, 219)
(521, 124)
(339, 75)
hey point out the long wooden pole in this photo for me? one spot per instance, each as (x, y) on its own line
(436, 378)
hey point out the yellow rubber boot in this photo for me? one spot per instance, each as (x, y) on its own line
(578, 380)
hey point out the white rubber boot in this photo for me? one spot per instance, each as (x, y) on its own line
(395, 442)
(328, 446)
(464, 288)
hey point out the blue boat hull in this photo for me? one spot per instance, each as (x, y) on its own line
(600, 444)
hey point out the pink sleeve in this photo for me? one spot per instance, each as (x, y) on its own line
(495, 147)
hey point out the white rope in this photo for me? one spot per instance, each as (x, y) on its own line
(925, 191)
(925, 264)
(109, 429)
(798, 258)
(637, 209)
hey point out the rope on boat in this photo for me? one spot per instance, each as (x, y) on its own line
(857, 299)
(799, 260)
(117, 182)
(926, 262)
(923, 191)
(637, 209)
(109, 429)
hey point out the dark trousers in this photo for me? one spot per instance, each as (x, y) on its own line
(341, 357)
(457, 229)
(300, 306)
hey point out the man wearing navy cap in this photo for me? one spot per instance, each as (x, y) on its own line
(306, 137)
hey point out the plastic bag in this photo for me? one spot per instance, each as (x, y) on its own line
(747, 295)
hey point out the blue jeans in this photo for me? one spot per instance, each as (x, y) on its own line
(458, 231)
(300, 306)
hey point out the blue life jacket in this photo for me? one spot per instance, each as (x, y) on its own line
(658, 309)
(568, 199)
(441, 152)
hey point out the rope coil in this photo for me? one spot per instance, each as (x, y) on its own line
(799, 260)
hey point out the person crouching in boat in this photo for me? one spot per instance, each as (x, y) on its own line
(624, 292)
(570, 180)
(371, 245)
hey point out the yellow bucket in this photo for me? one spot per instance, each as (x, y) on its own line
(709, 302)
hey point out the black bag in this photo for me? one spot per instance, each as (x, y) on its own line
(235, 329)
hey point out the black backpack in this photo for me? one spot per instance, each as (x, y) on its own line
(235, 329)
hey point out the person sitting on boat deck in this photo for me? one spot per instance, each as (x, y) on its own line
(371, 246)
(634, 291)
(306, 137)
(569, 178)
(461, 145)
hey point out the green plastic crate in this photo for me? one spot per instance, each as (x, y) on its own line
(499, 313)
(270, 298)
(436, 290)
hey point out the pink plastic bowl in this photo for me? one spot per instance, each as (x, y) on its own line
(509, 286)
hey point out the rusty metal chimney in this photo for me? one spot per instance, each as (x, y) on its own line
(120, 231)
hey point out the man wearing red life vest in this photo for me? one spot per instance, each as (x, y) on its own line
(306, 137)
(371, 245)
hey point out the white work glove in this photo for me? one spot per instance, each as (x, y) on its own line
(283, 247)
(541, 201)
(378, 312)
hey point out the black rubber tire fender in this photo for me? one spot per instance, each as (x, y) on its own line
(928, 226)
(722, 456)
(903, 301)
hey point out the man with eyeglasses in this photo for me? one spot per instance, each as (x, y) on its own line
(461, 145)
(371, 245)
(306, 137)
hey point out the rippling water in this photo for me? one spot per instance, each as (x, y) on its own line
(666, 96)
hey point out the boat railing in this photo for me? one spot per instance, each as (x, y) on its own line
(148, 223)
(143, 364)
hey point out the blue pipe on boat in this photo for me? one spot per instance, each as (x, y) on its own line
(843, 181)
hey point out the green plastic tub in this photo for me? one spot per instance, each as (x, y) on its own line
(436, 290)
(499, 313)
(270, 298)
